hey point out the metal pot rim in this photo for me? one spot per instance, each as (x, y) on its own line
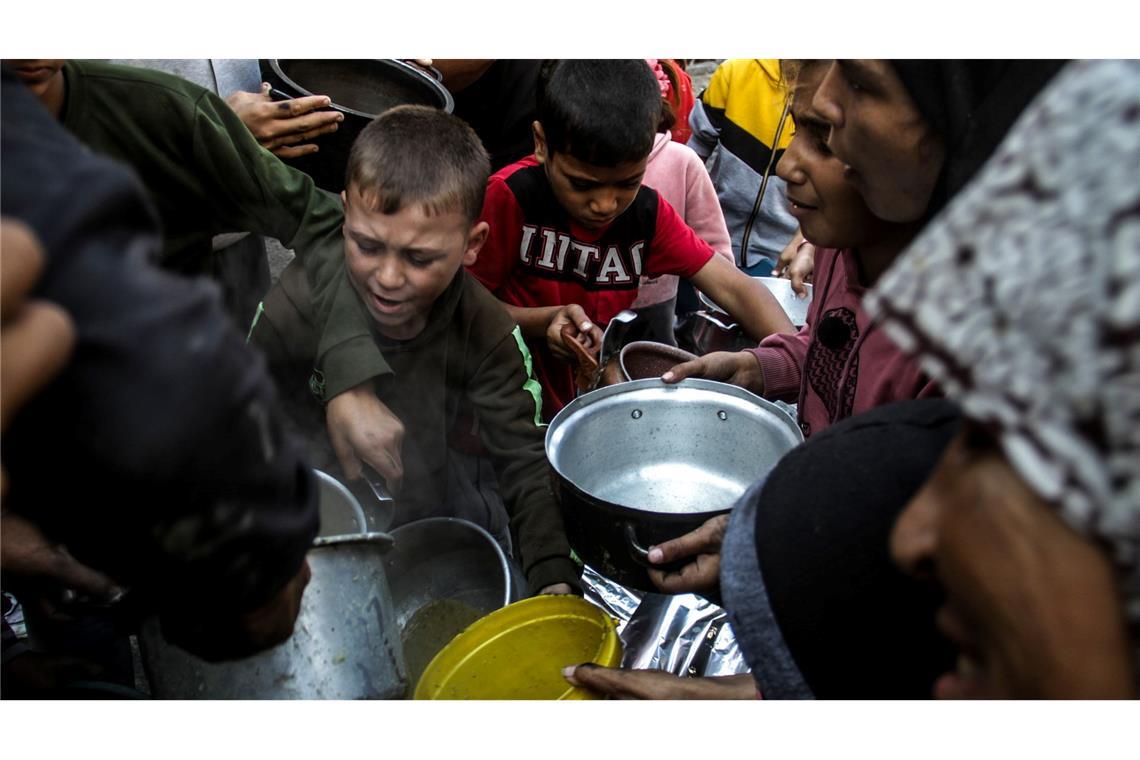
(504, 565)
(632, 387)
(437, 87)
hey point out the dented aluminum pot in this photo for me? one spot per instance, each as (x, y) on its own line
(345, 642)
(642, 462)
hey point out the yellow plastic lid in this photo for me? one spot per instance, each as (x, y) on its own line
(518, 652)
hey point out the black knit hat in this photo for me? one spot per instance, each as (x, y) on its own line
(971, 105)
(856, 626)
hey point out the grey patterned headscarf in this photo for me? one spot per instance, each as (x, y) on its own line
(1023, 300)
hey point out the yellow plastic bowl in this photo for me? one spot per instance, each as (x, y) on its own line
(518, 652)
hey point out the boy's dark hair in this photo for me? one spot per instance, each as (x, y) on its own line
(418, 154)
(600, 112)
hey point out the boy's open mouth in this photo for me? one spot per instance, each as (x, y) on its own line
(385, 304)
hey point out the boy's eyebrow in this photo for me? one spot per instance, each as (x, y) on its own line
(361, 237)
(590, 180)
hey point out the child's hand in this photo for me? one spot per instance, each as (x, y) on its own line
(29, 558)
(362, 428)
(587, 333)
(281, 126)
(796, 264)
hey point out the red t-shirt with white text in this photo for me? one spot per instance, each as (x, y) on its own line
(536, 255)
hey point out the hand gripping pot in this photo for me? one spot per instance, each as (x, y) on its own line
(345, 643)
(518, 652)
(642, 462)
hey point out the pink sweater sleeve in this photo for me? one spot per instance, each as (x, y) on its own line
(702, 208)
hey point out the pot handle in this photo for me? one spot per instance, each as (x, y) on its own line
(639, 553)
(384, 540)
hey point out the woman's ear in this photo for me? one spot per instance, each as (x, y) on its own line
(539, 142)
(475, 240)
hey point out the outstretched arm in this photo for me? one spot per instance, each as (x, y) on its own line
(747, 301)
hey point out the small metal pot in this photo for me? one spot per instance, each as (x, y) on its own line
(643, 462)
(361, 90)
(642, 360)
(445, 574)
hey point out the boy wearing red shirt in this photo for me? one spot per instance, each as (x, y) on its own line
(572, 229)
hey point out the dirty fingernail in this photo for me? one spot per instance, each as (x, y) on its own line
(656, 555)
(587, 326)
(667, 376)
(568, 671)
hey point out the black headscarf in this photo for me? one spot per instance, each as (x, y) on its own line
(971, 105)
(856, 625)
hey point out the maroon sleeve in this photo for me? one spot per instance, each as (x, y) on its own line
(676, 249)
(504, 215)
(781, 360)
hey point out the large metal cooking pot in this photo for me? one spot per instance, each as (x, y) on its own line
(345, 642)
(445, 573)
(361, 90)
(642, 462)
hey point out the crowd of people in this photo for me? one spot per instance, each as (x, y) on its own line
(962, 521)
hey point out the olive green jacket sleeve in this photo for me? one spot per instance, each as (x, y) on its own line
(272, 198)
(508, 404)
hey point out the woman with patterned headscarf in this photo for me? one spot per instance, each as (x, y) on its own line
(1031, 520)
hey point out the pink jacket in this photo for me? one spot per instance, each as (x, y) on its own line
(677, 173)
(840, 363)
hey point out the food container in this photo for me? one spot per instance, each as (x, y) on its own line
(445, 573)
(518, 652)
(360, 89)
(345, 642)
(643, 462)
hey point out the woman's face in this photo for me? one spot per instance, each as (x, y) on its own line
(893, 156)
(831, 212)
(1031, 605)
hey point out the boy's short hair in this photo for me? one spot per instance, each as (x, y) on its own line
(603, 112)
(418, 154)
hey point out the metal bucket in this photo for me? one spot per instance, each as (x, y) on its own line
(446, 574)
(344, 643)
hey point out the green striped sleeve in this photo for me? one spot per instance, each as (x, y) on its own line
(531, 385)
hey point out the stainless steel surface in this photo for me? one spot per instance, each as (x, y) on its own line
(340, 512)
(615, 331)
(668, 449)
(382, 512)
(345, 643)
(795, 307)
(446, 557)
(613, 339)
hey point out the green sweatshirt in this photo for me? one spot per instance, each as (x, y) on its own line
(470, 358)
(206, 174)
